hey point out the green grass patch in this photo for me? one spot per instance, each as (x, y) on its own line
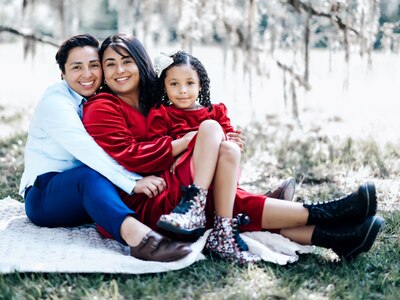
(11, 165)
(325, 167)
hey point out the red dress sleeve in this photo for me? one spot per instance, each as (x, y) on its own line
(158, 123)
(121, 131)
(222, 118)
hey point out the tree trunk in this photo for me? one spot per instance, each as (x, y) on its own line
(307, 48)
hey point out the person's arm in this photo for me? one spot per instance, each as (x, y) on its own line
(232, 135)
(221, 113)
(61, 122)
(158, 124)
(107, 122)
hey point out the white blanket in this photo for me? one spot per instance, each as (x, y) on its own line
(25, 247)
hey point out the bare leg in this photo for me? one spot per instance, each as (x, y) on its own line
(225, 180)
(206, 151)
(189, 217)
(213, 157)
(301, 235)
(224, 239)
(133, 231)
(283, 214)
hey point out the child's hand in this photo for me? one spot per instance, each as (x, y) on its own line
(150, 185)
(188, 136)
(238, 138)
(173, 166)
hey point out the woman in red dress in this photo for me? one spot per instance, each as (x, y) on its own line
(118, 121)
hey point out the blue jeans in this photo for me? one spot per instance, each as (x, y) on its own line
(75, 197)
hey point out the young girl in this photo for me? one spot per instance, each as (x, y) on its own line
(214, 153)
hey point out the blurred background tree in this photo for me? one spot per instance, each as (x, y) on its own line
(255, 29)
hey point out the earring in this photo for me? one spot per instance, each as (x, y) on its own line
(105, 82)
(164, 99)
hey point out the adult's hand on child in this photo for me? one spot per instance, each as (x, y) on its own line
(238, 138)
(150, 185)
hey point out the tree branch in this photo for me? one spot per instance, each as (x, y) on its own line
(29, 35)
(296, 76)
(299, 5)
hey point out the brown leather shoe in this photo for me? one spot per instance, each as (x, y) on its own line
(285, 191)
(156, 247)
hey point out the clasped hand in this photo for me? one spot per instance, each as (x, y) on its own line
(150, 185)
(238, 138)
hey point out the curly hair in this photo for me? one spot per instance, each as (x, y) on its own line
(183, 58)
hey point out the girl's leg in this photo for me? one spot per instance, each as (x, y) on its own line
(225, 179)
(206, 151)
(188, 217)
(224, 239)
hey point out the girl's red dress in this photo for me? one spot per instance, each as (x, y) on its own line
(122, 132)
(175, 122)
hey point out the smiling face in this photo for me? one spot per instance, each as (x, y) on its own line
(182, 85)
(122, 75)
(83, 70)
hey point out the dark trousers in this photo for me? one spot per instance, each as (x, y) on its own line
(75, 197)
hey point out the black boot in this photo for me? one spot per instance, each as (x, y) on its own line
(350, 209)
(351, 240)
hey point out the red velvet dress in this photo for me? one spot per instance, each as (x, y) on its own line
(175, 122)
(122, 132)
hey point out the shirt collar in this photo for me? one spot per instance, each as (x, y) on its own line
(79, 99)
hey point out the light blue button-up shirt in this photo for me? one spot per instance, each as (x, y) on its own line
(57, 141)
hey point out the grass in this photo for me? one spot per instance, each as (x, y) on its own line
(11, 165)
(324, 167)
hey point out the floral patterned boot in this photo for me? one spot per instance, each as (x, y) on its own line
(224, 240)
(188, 217)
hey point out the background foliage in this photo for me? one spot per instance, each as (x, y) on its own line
(258, 29)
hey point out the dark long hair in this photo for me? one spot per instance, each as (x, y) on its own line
(183, 58)
(136, 50)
